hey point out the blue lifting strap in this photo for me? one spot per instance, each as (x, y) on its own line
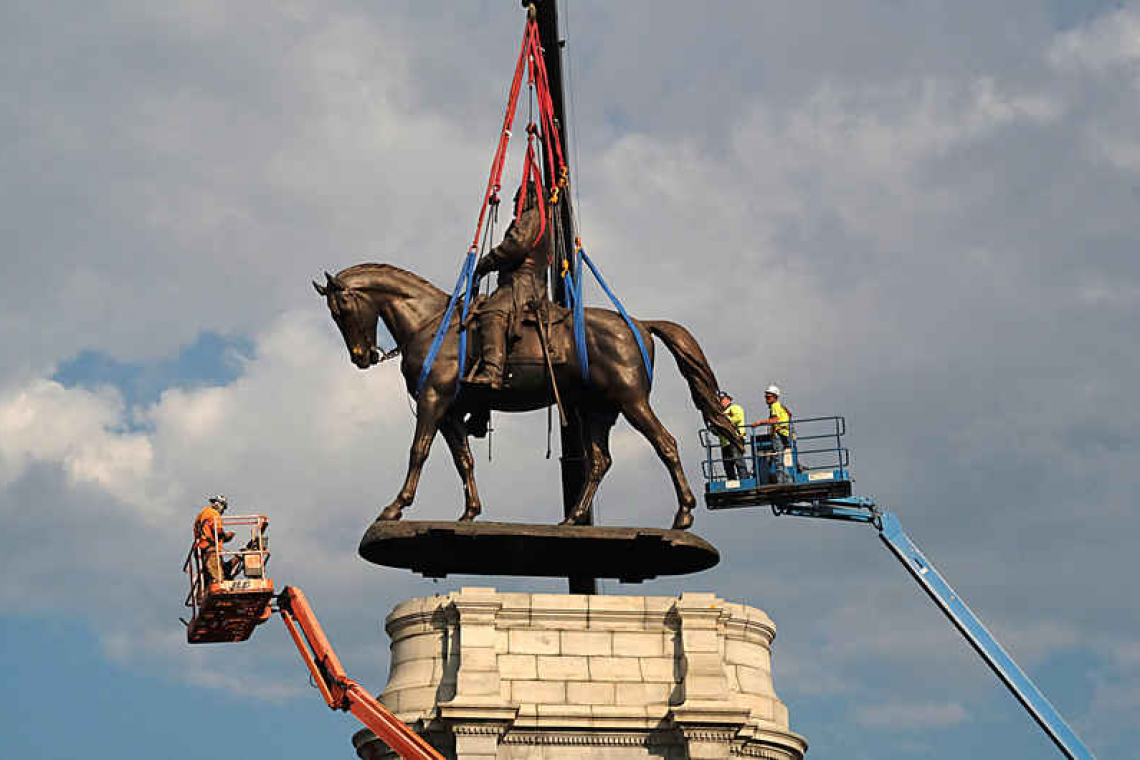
(463, 284)
(573, 287)
(579, 317)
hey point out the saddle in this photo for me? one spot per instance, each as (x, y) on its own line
(524, 344)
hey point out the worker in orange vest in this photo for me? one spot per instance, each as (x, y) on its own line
(209, 535)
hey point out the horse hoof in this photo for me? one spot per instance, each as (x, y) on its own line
(577, 517)
(683, 519)
(469, 514)
(391, 512)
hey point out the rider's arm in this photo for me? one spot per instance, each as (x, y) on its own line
(516, 245)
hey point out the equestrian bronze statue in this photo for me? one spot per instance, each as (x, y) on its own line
(412, 309)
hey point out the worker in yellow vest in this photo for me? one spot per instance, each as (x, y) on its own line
(780, 432)
(734, 467)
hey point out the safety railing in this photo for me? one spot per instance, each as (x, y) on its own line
(249, 561)
(815, 444)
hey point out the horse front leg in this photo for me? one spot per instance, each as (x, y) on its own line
(641, 416)
(429, 410)
(455, 433)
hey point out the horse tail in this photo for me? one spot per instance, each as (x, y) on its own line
(695, 369)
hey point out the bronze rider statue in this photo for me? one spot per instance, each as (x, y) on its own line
(522, 261)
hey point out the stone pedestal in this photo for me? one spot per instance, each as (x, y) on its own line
(512, 676)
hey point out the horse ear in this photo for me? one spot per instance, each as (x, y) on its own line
(335, 282)
(321, 289)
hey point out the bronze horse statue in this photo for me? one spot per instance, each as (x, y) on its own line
(412, 309)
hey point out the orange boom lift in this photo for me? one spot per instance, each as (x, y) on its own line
(228, 610)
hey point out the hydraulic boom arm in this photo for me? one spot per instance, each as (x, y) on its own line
(963, 618)
(340, 691)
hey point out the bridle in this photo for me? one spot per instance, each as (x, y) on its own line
(378, 355)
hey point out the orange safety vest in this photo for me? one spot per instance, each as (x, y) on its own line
(207, 525)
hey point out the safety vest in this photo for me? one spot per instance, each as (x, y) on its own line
(777, 410)
(735, 414)
(207, 525)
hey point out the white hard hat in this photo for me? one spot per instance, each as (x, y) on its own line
(773, 389)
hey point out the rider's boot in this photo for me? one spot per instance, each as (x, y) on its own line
(493, 336)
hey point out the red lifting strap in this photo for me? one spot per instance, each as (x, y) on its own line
(531, 61)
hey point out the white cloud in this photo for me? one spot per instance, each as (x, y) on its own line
(82, 431)
(1107, 42)
(923, 219)
(910, 716)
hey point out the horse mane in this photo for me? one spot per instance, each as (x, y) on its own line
(393, 277)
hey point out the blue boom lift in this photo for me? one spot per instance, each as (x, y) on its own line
(811, 478)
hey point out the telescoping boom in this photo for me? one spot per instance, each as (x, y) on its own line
(229, 606)
(340, 691)
(811, 477)
(955, 608)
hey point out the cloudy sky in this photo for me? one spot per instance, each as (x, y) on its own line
(923, 216)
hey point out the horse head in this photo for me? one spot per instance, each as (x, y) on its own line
(355, 315)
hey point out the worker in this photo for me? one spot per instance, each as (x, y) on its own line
(780, 434)
(209, 535)
(734, 467)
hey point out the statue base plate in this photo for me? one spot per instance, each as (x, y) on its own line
(631, 555)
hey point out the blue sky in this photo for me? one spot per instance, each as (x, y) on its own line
(921, 216)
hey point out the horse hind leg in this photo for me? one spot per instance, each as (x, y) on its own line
(455, 434)
(599, 461)
(641, 416)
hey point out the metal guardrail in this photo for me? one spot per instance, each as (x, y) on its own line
(815, 444)
(254, 554)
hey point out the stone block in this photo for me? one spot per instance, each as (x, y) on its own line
(590, 693)
(638, 644)
(565, 710)
(587, 643)
(478, 636)
(699, 640)
(478, 659)
(413, 673)
(703, 663)
(514, 601)
(533, 642)
(614, 669)
(559, 602)
(754, 681)
(642, 693)
(476, 683)
(417, 700)
(699, 600)
(617, 613)
(520, 667)
(706, 687)
(419, 647)
(625, 604)
(618, 711)
(763, 708)
(538, 692)
(562, 668)
(750, 653)
(659, 669)
(659, 605)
